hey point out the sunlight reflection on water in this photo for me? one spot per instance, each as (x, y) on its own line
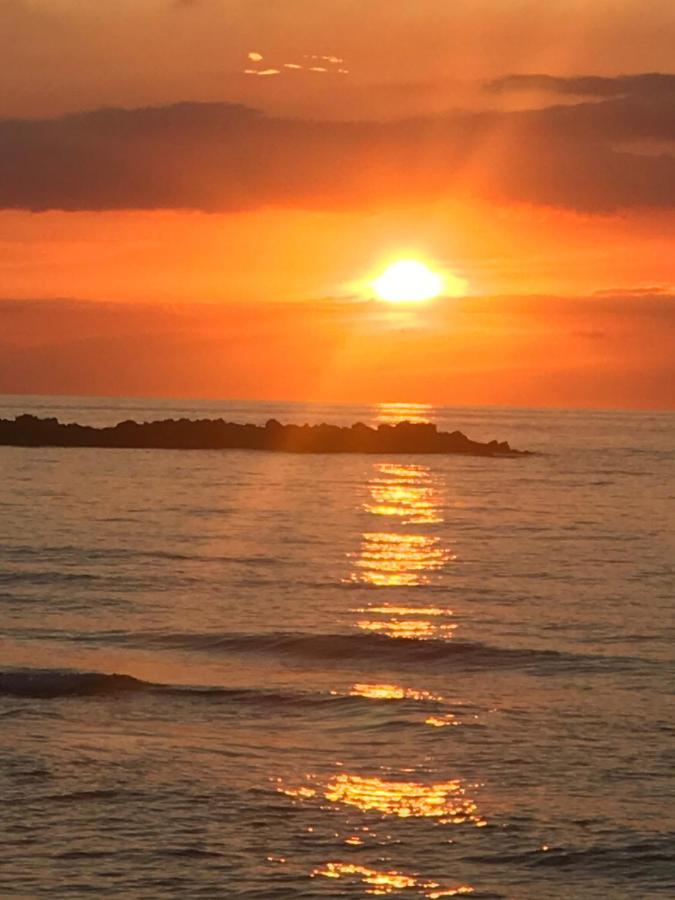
(417, 629)
(404, 492)
(401, 553)
(391, 559)
(446, 802)
(390, 692)
(389, 882)
(401, 560)
(408, 494)
(393, 413)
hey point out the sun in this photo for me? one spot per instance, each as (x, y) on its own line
(408, 280)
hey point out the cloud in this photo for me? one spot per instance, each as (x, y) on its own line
(226, 157)
(645, 84)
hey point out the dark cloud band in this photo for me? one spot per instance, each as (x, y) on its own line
(608, 154)
(645, 85)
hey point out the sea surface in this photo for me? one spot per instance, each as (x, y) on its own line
(238, 674)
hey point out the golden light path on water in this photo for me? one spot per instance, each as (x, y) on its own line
(408, 610)
(404, 492)
(446, 802)
(402, 560)
(402, 552)
(391, 692)
(407, 495)
(415, 629)
(393, 413)
(380, 882)
(442, 719)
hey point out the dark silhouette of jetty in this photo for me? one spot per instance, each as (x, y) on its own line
(216, 434)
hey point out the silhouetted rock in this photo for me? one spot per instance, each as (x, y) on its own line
(216, 434)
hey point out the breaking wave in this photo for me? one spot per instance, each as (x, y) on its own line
(48, 683)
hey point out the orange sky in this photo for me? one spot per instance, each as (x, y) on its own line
(225, 249)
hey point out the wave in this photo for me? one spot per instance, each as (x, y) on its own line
(46, 683)
(50, 684)
(649, 858)
(373, 649)
(54, 683)
(29, 552)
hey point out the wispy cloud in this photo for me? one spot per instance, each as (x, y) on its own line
(311, 62)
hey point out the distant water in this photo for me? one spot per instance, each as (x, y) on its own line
(247, 675)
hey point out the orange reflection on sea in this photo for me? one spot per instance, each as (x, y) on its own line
(405, 492)
(389, 559)
(446, 801)
(406, 610)
(442, 721)
(305, 792)
(390, 692)
(381, 882)
(393, 413)
(413, 629)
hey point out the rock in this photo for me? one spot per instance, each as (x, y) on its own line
(215, 434)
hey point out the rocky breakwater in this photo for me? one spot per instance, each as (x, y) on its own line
(217, 434)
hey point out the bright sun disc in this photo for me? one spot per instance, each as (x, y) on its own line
(408, 280)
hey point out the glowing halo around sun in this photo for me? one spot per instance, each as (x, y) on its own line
(408, 281)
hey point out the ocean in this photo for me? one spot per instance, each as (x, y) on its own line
(235, 674)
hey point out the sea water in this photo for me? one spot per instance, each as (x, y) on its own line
(242, 674)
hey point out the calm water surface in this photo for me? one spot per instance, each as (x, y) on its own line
(247, 675)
